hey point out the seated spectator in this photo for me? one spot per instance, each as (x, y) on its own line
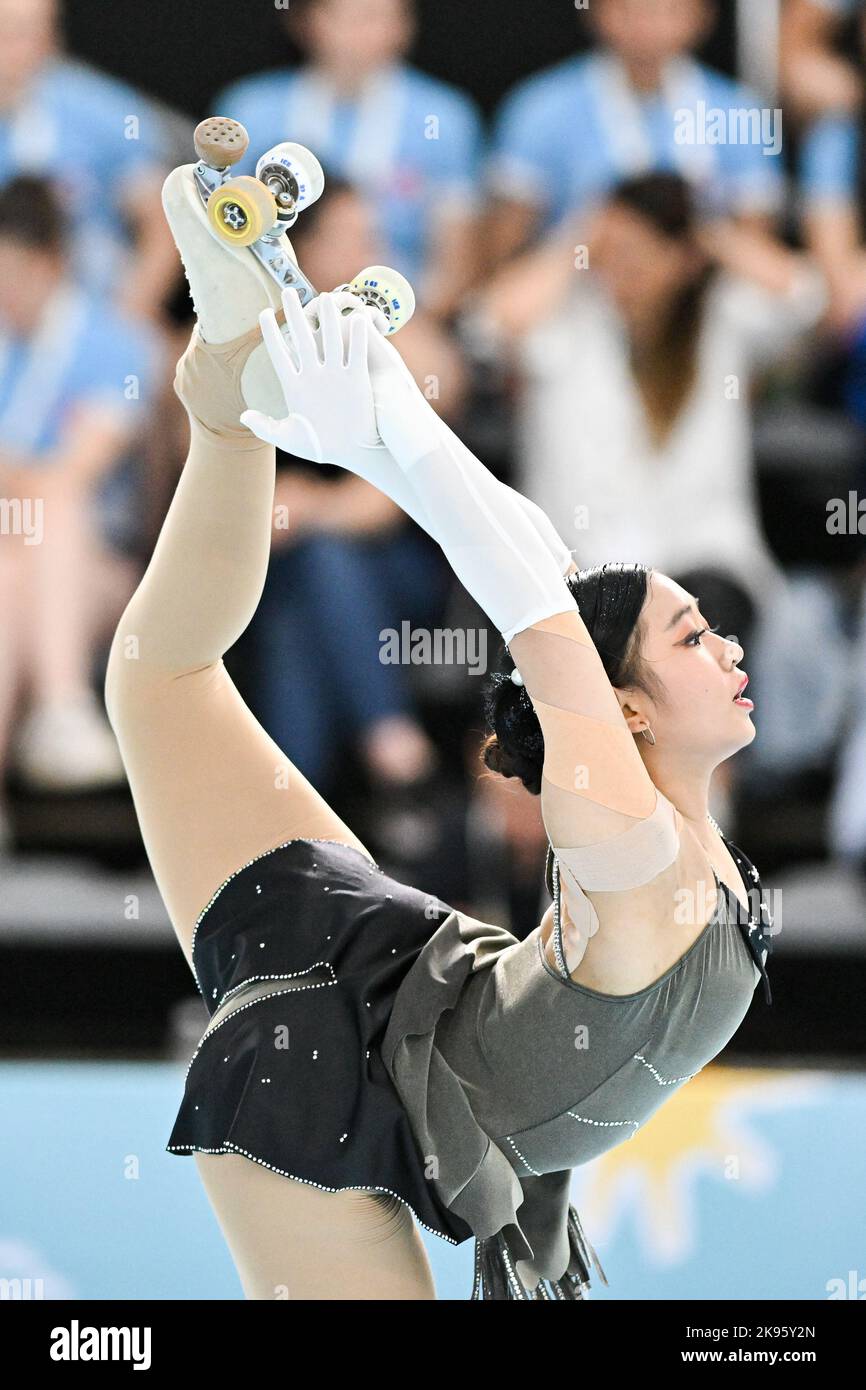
(567, 135)
(634, 410)
(833, 177)
(412, 143)
(98, 143)
(816, 78)
(75, 377)
(833, 184)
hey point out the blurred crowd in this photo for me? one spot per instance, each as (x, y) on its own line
(628, 278)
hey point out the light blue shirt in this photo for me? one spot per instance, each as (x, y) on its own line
(567, 135)
(413, 144)
(83, 352)
(828, 160)
(838, 7)
(90, 136)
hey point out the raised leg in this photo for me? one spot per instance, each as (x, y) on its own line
(211, 788)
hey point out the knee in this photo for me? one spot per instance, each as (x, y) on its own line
(115, 682)
(129, 684)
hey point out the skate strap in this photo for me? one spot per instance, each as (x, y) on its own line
(208, 384)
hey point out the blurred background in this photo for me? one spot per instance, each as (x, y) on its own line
(637, 234)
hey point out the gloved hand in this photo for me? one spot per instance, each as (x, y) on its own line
(329, 397)
(321, 395)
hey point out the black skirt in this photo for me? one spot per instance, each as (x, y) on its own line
(294, 1079)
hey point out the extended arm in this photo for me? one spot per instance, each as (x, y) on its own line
(92, 443)
(595, 784)
(371, 459)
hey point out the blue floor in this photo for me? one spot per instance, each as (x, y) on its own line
(747, 1184)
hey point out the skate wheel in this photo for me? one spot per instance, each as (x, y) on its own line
(295, 170)
(387, 290)
(241, 210)
(220, 141)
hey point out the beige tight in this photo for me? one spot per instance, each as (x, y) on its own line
(289, 1240)
(212, 790)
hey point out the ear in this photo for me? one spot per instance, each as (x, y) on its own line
(634, 718)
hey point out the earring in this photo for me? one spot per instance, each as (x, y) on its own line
(648, 731)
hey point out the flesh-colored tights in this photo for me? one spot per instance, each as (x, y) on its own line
(212, 790)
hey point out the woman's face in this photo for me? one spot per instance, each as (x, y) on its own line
(640, 268)
(359, 34)
(27, 38)
(696, 715)
(651, 31)
(28, 275)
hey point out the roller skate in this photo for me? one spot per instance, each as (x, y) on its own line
(232, 234)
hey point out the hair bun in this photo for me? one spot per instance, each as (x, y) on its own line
(610, 599)
(516, 747)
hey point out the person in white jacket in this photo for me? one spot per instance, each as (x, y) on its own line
(636, 334)
(636, 347)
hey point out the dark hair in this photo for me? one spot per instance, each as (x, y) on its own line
(665, 369)
(610, 598)
(665, 200)
(31, 215)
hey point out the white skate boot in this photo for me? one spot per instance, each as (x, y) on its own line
(232, 236)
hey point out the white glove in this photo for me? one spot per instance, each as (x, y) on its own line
(322, 393)
(413, 428)
(331, 415)
(495, 547)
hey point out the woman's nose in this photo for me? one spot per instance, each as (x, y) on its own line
(732, 642)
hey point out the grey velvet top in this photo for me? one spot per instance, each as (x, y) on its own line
(512, 1076)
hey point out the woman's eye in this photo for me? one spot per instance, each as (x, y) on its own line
(695, 639)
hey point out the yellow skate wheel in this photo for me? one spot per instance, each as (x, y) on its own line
(387, 290)
(241, 211)
(219, 141)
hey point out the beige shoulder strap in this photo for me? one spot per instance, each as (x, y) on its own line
(630, 859)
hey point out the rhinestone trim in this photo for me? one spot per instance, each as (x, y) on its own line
(292, 975)
(558, 943)
(271, 994)
(309, 839)
(517, 1285)
(476, 1279)
(534, 1171)
(604, 1124)
(639, 1057)
(229, 1147)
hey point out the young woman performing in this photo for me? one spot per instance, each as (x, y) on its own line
(372, 1053)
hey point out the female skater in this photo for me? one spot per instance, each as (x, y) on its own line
(372, 1053)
